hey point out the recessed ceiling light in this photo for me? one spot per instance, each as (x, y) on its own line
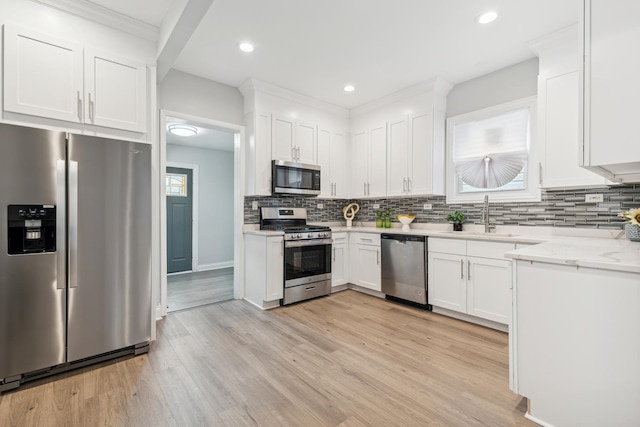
(183, 130)
(349, 88)
(487, 17)
(246, 47)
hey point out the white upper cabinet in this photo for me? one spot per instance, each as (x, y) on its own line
(559, 111)
(258, 170)
(332, 152)
(611, 86)
(294, 140)
(116, 92)
(43, 76)
(369, 162)
(415, 156)
(55, 79)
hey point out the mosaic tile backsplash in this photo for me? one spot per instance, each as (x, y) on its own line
(558, 208)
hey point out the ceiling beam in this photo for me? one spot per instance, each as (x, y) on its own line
(179, 24)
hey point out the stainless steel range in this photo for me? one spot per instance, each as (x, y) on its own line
(307, 253)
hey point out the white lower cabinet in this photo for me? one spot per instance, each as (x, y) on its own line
(471, 277)
(264, 269)
(365, 261)
(339, 259)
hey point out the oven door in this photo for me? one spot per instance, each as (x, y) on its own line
(306, 262)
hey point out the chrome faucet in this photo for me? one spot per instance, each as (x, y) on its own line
(485, 216)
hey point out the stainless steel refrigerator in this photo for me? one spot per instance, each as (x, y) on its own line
(75, 254)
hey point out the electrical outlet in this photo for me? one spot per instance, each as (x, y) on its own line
(376, 206)
(254, 205)
(593, 198)
(427, 206)
(320, 206)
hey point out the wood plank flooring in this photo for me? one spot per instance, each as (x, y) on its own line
(190, 290)
(348, 360)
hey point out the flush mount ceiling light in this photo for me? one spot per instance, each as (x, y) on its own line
(246, 47)
(487, 17)
(349, 88)
(183, 130)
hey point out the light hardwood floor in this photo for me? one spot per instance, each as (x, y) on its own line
(190, 290)
(347, 360)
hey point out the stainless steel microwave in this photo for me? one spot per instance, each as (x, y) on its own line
(295, 178)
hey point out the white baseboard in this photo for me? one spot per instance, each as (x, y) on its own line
(215, 266)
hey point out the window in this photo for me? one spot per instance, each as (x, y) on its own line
(176, 184)
(489, 151)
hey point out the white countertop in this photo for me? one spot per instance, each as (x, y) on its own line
(595, 248)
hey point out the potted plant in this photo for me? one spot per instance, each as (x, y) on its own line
(632, 224)
(457, 218)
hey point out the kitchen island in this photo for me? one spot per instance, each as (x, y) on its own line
(575, 336)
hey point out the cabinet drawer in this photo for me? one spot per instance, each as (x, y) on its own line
(367, 239)
(482, 249)
(339, 238)
(447, 246)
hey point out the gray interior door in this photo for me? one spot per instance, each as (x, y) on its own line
(179, 219)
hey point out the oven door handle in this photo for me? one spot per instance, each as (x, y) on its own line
(311, 242)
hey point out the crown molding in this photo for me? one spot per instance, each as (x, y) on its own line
(251, 86)
(564, 35)
(437, 86)
(104, 16)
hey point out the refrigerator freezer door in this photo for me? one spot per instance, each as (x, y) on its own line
(110, 227)
(32, 307)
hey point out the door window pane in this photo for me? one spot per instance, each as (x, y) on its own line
(176, 184)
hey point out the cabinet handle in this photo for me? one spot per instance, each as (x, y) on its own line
(408, 185)
(540, 172)
(368, 188)
(79, 107)
(298, 153)
(90, 108)
(404, 185)
(461, 269)
(468, 270)
(364, 190)
(377, 256)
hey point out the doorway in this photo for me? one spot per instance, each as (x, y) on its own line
(179, 189)
(201, 170)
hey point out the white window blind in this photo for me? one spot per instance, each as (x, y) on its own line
(491, 152)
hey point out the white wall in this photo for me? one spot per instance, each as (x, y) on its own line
(504, 85)
(192, 95)
(215, 199)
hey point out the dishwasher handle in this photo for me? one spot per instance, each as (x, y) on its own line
(404, 238)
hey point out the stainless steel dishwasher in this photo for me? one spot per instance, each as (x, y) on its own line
(404, 268)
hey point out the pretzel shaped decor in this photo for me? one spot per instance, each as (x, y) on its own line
(349, 212)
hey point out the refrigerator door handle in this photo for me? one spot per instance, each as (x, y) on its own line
(73, 224)
(61, 215)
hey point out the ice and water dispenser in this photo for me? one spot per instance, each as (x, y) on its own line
(32, 229)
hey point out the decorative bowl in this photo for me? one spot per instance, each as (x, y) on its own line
(405, 220)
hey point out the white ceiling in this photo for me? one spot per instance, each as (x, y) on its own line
(208, 137)
(380, 46)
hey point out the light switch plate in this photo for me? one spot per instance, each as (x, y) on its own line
(593, 198)
(376, 206)
(320, 206)
(254, 205)
(427, 206)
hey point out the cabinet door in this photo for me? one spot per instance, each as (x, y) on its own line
(324, 161)
(305, 145)
(339, 164)
(611, 81)
(397, 155)
(559, 133)
(274, 288)
(43, 75)
(282, 137)
(339, 264)
(262, 150)
(447, 281)
(421, 154)
(377, 171)
(116, 92)
(368, 273)
(359, 155)
(489, 289)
